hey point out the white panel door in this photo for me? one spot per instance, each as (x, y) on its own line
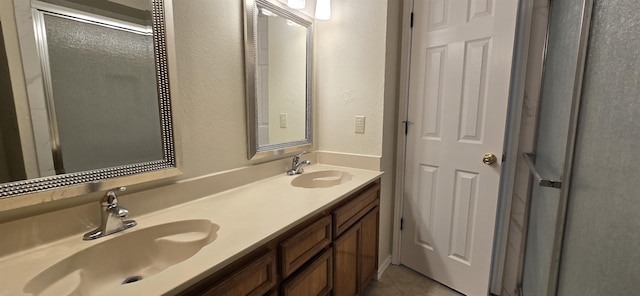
(461, 59)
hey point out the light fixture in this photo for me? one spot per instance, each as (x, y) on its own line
(323, 10)
(296, 4)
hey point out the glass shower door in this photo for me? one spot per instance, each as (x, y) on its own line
(600, 252)
(585, 242)
(557, 104)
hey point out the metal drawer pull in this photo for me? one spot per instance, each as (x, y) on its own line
(528, 157)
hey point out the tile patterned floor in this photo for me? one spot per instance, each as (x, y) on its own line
(401, 281)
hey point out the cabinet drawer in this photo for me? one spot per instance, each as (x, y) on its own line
(256, 278)
(304, 245)
(315, 280)
(349, 213)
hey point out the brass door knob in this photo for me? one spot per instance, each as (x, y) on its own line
(489, 159)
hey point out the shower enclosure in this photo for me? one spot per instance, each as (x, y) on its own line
(583, 232)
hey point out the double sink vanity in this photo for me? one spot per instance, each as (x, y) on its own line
(297, 233)
(309, 234)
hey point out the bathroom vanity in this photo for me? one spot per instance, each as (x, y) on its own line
(335, 251)
(250, 230)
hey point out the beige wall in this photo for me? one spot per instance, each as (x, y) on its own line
(11, 162)
(354, 79)
(19, 88)
(349, 80)
(390, 125)
(350, 76)
(210, 94)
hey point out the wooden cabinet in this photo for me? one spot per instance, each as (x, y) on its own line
(356, 250)
(333, 253)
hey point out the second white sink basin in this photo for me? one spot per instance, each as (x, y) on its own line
(130, 257)
(321, 179)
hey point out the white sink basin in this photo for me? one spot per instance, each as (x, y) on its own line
(125, 259)
(321, 179)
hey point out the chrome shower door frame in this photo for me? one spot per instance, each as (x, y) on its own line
(583, 39)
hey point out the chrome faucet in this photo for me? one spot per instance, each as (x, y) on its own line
(112, 216)
(296, 165)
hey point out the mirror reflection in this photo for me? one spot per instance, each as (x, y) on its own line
(11, 167)
(281, 72)
(101, 85)
(279, 106)
(98, 107)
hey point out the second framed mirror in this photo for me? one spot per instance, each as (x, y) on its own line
(278, 51)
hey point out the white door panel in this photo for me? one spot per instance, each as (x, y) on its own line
(459, 85)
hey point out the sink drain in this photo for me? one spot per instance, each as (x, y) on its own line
(132, 279)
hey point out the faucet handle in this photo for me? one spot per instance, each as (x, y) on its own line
(110, 198)
(297, 157)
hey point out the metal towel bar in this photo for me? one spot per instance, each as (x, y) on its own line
(528, 157)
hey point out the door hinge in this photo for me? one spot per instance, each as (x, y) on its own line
(406, 126)
(411, 25)
(401, 223)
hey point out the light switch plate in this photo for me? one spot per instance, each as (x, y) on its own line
(283, 120)
(360, 123)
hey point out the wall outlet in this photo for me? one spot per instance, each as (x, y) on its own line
(360, 120)
(283, 120)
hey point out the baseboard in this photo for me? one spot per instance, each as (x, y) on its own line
(383, 267)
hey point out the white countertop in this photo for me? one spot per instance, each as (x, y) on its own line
(248, 216)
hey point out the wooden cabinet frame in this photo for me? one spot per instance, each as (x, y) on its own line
(300, 260)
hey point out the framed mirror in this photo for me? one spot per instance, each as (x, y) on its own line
(278, 56)
(97, 112)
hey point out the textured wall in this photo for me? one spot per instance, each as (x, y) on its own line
(350, 76)
(389, 135)
(349, 81)
(354, 79)
(11, 160)
(350, 69)
(210, 96)
(5, 111)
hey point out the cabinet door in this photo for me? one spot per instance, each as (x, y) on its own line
(256, 279)
(314, 280)
(369, 247)
(345, 276)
